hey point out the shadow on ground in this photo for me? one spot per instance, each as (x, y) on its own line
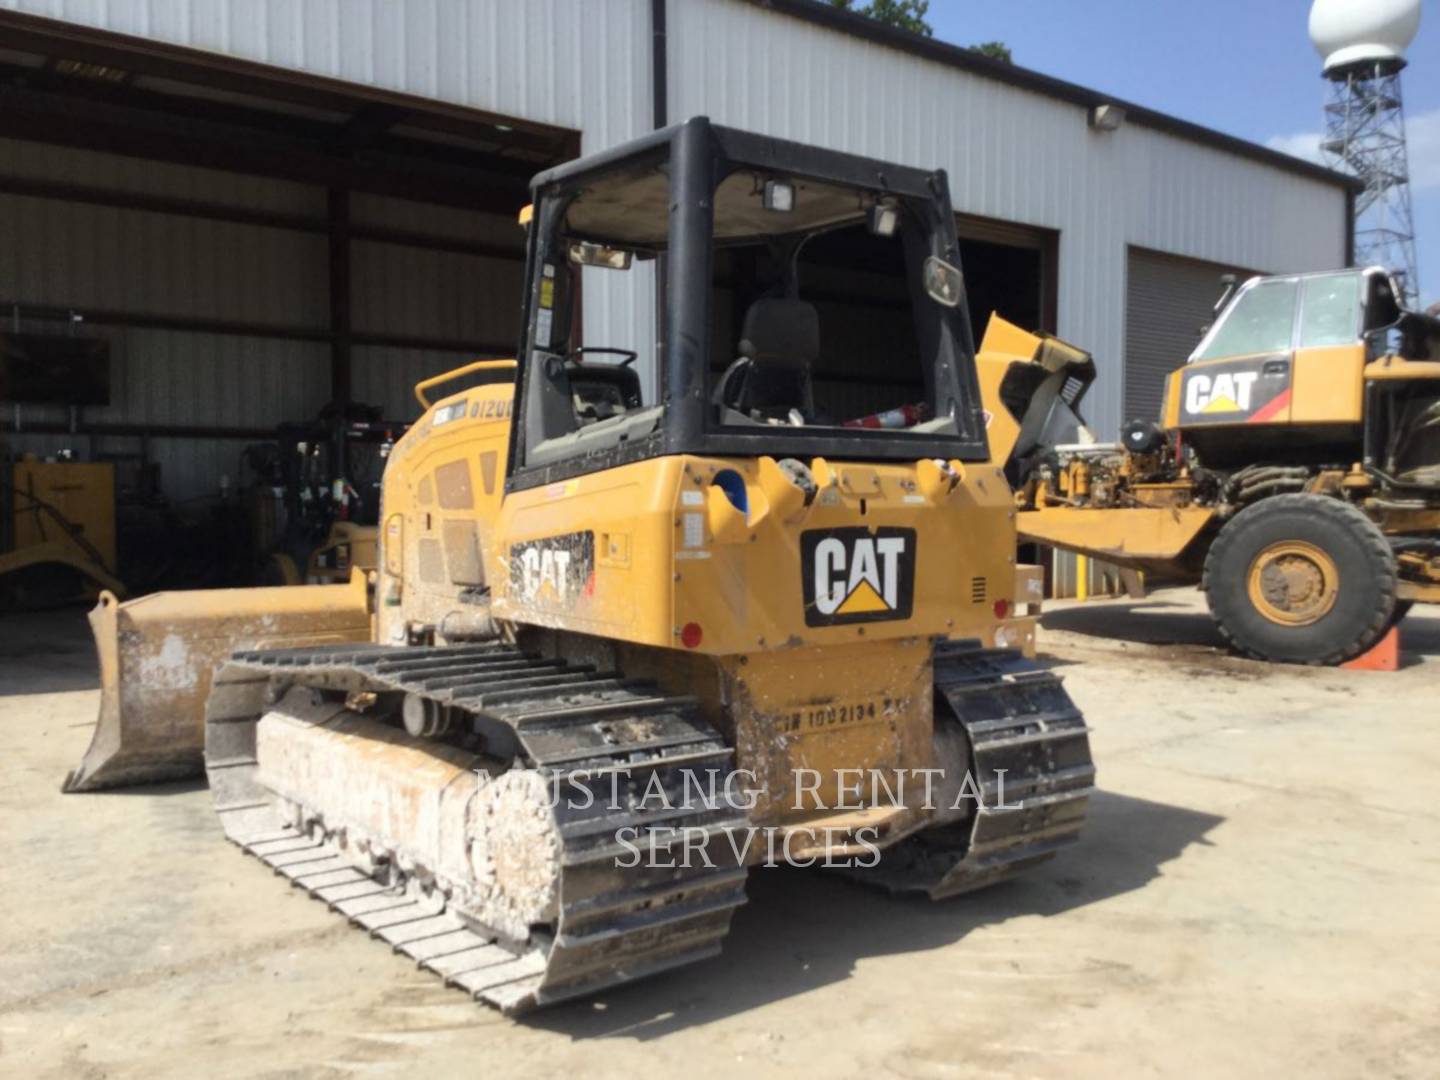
(1149, 622)
(183, 786)
(803, 928)
(47, 652)
(1168, 623)
(1420, 634)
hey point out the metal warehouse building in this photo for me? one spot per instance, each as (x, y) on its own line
(261, 207)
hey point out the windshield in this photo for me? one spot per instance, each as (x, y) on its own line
(1260, 320)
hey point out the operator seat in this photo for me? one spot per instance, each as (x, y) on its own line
(779, 344)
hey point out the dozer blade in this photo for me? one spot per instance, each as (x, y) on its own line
(157, 657)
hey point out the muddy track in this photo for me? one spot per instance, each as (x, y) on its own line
(587, 733)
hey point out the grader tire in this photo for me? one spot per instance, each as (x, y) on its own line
(1301, 579)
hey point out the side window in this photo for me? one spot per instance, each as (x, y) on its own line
(1262, 320)
(1330, 314)
(594, 334)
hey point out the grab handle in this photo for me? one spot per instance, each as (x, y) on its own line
(469, 369)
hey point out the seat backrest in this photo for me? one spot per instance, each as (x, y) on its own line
(781, 331)
(782, 339)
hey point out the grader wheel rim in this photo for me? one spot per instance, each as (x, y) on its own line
(1293, 583)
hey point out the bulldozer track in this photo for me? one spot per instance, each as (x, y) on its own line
(1029, 758)
(587, 731)
(1031, 766)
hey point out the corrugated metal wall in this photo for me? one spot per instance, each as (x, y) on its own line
(77, 255)
(407, 290)
(82, 256)
(582, 64)
(1011, 154)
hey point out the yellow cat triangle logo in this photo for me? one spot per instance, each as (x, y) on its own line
(863, 598)
(1221, 404)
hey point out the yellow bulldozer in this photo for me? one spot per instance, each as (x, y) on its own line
(1294, 473)
(624, 643)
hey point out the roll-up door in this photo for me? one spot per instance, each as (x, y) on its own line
(1168, 302)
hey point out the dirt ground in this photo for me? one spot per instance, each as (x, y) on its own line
(1256, 893)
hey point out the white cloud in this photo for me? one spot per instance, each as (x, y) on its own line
(1305, 145)
(1422, 136)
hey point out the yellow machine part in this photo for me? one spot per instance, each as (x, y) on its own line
(1004, 346)
(159, 652)
(346, 548)
(445, 531)
(1138, 538)
(352, 547)
(1322, 386)
(83, 492)
(283, 568)
(1396, 368)
(443, 487)
(83, 495)
(734, 577)
(157, 656)
(1328, 386)
(803, 683)
(729, 621)
(62, 553)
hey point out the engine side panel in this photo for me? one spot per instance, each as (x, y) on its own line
(656, 553)
(443, 487)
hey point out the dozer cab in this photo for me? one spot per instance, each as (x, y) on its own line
(630, 640)
(1294, 473)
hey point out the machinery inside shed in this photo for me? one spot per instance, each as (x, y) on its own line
(295, 253)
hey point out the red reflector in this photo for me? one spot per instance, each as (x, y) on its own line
(1002, 608)
(691, 635)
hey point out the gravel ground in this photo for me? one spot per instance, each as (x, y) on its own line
(1256, 893)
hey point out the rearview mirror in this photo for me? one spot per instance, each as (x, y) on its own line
(607, 258)
(943, 282)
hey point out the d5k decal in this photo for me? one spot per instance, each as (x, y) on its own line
(857, 575)
(556, 572)
(1245, 391)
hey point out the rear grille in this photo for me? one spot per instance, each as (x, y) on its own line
(977, 590)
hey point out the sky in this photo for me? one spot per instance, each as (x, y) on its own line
(1244, 67)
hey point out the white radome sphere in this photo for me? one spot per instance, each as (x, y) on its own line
(1349, 31)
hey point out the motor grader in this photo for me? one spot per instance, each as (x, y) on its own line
(1294, 473)
(612, 620)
